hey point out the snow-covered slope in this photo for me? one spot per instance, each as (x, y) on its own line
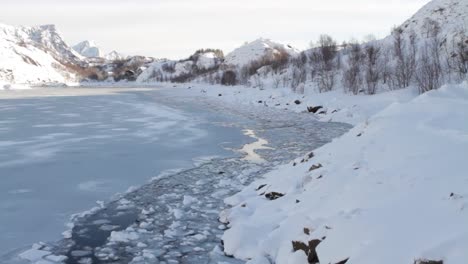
(88, 49)
(392, 190)
(450, 17)
(34, 55)
(164, 70)
(256, 50)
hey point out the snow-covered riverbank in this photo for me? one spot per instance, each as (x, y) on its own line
(391, 190)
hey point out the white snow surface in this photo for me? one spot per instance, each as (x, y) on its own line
(255, 50)
(88, 49)
(392, 190)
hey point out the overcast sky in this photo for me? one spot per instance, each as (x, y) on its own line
(175, 28)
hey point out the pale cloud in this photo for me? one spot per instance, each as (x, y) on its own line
(175, 28)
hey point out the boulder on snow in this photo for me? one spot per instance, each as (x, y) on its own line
(426, 261)
(314, 109)
(315, 167)
(273, 195)
(309, 249)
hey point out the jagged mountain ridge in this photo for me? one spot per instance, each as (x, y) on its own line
(88, 49)
(35, 55)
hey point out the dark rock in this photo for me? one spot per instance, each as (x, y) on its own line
(314, 109)
(343, 261)
(319, 177)
(309, 249)
(426, 261)
(297, 201)
(260, 102)
(359, 135)
(311, 155)
(306, 231)
(220, 95)
(322, 112)
(315, 167)
(298, 102)
(221, 172)
(273, 195)
(260, 187)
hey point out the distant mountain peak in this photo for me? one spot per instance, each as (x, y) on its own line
(88, 48)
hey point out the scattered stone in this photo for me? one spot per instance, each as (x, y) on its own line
(297, 201)
(273, 195)
(319, 177)
(426, 261)
(221, 172)
(315, 167)
(294, 164)
(306, 231)
(298, 102)
(343, 261)
(220, 95)
(309, 249)
(322, 112)
(261, 187)
(359, 135)
(260, 102)
(314, 109)
(311, 155)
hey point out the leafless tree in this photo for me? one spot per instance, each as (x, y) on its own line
(352, 78)
(405, 56)
(323, 58)
(373, 67)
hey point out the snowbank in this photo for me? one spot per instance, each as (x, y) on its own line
(335, 106)
(392, 190)
(9, 86)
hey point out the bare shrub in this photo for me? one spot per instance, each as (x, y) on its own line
(229, 78)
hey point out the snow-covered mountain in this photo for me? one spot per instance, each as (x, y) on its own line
(88, 49)
(448, 17)
(35, 55)
(256, 50)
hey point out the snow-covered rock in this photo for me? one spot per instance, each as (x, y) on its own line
(392, 190)
(88, 49)
(114, 55)
(256, 50)
(34, 55)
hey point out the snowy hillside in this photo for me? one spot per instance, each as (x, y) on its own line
(202, 61)
(88, 49)
(448, 16)
(34, 55)
(392, 190)
(256, 50)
